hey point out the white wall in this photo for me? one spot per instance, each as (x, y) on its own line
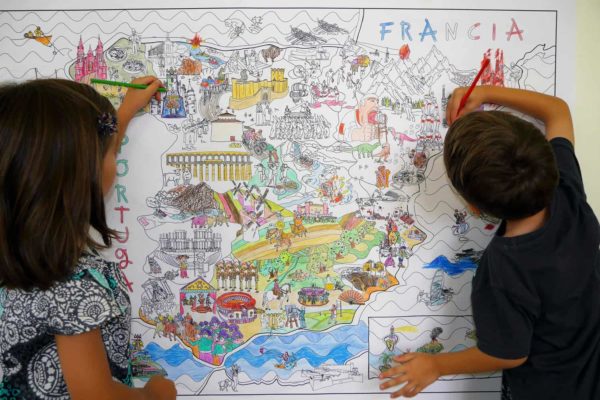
(586, 109)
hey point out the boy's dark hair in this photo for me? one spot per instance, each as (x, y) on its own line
(500, 164)
(50, 179)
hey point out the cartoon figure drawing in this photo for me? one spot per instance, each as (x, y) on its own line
(460, 225)
(362, 125)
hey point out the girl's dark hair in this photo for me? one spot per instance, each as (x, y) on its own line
(50, 179)
(501, 164)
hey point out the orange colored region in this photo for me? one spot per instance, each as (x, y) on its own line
(367, 293)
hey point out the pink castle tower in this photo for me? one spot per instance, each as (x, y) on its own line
(486, 77)
(90, 60)
(499, 72)
(90, 65)
(79, 63)
(100, 63)
(493, 76)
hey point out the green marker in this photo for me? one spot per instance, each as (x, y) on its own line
(125, 84)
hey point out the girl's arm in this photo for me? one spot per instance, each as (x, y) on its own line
(85, 368)
(419, 370)
(135, 99)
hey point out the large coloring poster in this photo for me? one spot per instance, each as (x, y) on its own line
(287, 223)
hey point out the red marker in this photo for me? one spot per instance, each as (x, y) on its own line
(464, 99)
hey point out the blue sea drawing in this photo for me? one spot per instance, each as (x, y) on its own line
(177, 361)
(310, 349)
(451, 268)
(262, 354)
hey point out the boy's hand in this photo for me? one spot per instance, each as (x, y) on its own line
(160, 388)
(475, 100)
(416, 371)
(135, 99)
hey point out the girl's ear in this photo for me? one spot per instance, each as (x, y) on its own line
(474, 210)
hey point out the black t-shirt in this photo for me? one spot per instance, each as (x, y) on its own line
(538, 296)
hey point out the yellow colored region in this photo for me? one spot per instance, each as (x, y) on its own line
(362, 247)
(347, 259)
(246, 94)
(411, 242)
(407, 329)
(263, 250)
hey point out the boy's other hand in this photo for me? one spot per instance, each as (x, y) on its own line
(135, 99)
(475, 100)
(160, 388)
(416, 371)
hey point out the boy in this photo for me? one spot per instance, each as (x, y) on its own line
(536, 293)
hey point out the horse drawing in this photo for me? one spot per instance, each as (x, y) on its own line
(279, 238)
(298, 229)
(284, 293)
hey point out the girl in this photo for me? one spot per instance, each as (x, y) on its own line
(64, 315)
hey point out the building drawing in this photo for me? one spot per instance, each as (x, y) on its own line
(214, 165)
(90, 65)
(246, 93)
(164, 56)
(494, 76)
(310, 209)
(226, 128)
(177, 242)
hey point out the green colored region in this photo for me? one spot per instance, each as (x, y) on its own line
(140, 56)
(431, 348)
(313, 266)
(386, 361)
(471, 334)
(378, 237)
(318, 321)
(365, 149)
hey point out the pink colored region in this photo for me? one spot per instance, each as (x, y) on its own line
(402, 136)
(406, 138)
(332, 103)
(90, 65)
(495, 76)
(309, 209)
(372, 117)
(226, 207)
(208, 357)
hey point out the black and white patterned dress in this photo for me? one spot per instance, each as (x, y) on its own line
(94, 297)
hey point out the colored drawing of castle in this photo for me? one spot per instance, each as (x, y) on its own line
(90, 65)
(246, 94)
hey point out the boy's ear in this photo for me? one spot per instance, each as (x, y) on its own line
(474, 210)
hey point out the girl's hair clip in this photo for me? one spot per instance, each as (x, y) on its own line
(107, 125)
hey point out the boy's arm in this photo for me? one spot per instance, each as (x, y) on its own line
(552, 111)
(419, 370)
